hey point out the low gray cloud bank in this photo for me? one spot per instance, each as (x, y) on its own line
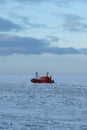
(28, 45)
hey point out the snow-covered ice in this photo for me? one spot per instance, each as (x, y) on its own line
(27, 106)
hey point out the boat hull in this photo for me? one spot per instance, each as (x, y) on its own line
(41, 81)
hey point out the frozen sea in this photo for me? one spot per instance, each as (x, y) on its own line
(27, 106)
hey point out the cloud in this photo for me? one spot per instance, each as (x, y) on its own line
(2, 2)
(68, 1)
(62, 51)
(7, 25)
(22, 45)
(26, 22)
(36, 25)
(28, 45)
(32, 1)
(53, 39)
(57, 1)
(74, 23)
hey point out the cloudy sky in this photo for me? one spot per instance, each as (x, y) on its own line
(43, 35)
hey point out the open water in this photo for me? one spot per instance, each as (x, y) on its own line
(27, 106)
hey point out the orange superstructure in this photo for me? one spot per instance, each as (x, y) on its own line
(42, 79)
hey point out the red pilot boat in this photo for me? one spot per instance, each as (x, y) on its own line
(42, 79)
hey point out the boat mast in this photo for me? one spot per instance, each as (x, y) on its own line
(36, 75)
